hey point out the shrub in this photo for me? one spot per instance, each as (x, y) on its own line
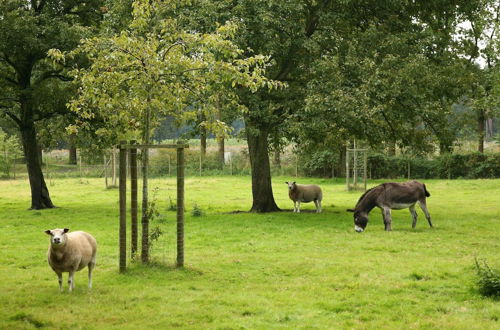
(197, 211)
(488, 280)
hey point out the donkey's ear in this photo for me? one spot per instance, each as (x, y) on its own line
(65, 230)
(350, 210)
(48, 232)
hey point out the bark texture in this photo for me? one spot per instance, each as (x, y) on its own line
(262, 191)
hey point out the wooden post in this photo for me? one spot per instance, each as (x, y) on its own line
(365, 165)
(355, 167)
(180, 206)
(105, 171)
(296, 165)
(200, 162)
(168, 164)
(113, 160)
(133, 198)
(123, 207)
(347, 169)
(80, 165)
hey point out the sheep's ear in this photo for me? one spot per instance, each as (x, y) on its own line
(293, 182)
(65, 230)
(48, 232)
(286, 182)
(350, 210)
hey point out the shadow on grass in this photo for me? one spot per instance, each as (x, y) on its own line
(138, 269)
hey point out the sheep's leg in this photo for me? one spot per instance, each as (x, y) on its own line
(316, 204)
(294, 206)
(91, 268)
(71, 282)
(414, 215)
(320, 208)
(386, 211)
(298, 206)
(423, 206)
(60, 279)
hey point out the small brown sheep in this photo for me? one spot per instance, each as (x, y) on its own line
(71, 252)
(304, 193)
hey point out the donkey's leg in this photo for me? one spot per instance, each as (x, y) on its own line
(386, 212)
(423, 206)
(414, 215)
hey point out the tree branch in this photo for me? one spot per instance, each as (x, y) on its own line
(52, 74)
(11, 115)
(177, 43)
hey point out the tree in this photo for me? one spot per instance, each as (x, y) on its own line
(28, 82)
(154, 69)
(479, 44)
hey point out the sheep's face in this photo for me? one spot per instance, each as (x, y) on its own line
(291, 185)
(57, 236)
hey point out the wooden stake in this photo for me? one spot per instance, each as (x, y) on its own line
(133, 198)
(180, 206)
(123, 208)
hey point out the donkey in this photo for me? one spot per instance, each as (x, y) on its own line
(387, 196)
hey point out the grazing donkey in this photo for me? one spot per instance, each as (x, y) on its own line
(387, 196)
(304, 193)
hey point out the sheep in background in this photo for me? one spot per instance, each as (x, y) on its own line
(304, 193)
(71, 252)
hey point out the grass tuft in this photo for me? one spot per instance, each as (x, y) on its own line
(23, 317)
(488, 280)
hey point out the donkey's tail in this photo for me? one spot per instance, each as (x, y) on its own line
(427, 193)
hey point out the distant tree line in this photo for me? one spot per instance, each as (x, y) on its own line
(413, 76)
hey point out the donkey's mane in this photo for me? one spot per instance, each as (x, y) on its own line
(363, 196)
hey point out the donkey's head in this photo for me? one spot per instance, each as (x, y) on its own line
(360, 220)
(291, 185)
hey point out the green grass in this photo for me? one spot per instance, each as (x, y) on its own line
(279, 270)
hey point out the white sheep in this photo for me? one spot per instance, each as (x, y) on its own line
(71, 252)
(304, 193)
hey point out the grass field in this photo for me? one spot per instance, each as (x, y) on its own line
(256, 271)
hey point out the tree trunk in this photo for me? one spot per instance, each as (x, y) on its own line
(277, 159)
(40, 198)
(72, 152)
(262, 191)
(220, 143)
(445, 146)
(203, 141)
(480, 130)
(342, 156)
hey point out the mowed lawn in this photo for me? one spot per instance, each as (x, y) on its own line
(256, 271)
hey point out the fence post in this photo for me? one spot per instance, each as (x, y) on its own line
(347, 170)
(105, 170)
(180, 205)
(123, 207)
(365, 165)
(133, 198)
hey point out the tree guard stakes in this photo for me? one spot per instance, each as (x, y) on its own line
(131, 150)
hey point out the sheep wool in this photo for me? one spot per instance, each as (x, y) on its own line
(71, 252)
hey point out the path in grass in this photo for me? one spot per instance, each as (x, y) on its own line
(256, 270)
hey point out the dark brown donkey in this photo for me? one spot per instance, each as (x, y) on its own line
(387, 196)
